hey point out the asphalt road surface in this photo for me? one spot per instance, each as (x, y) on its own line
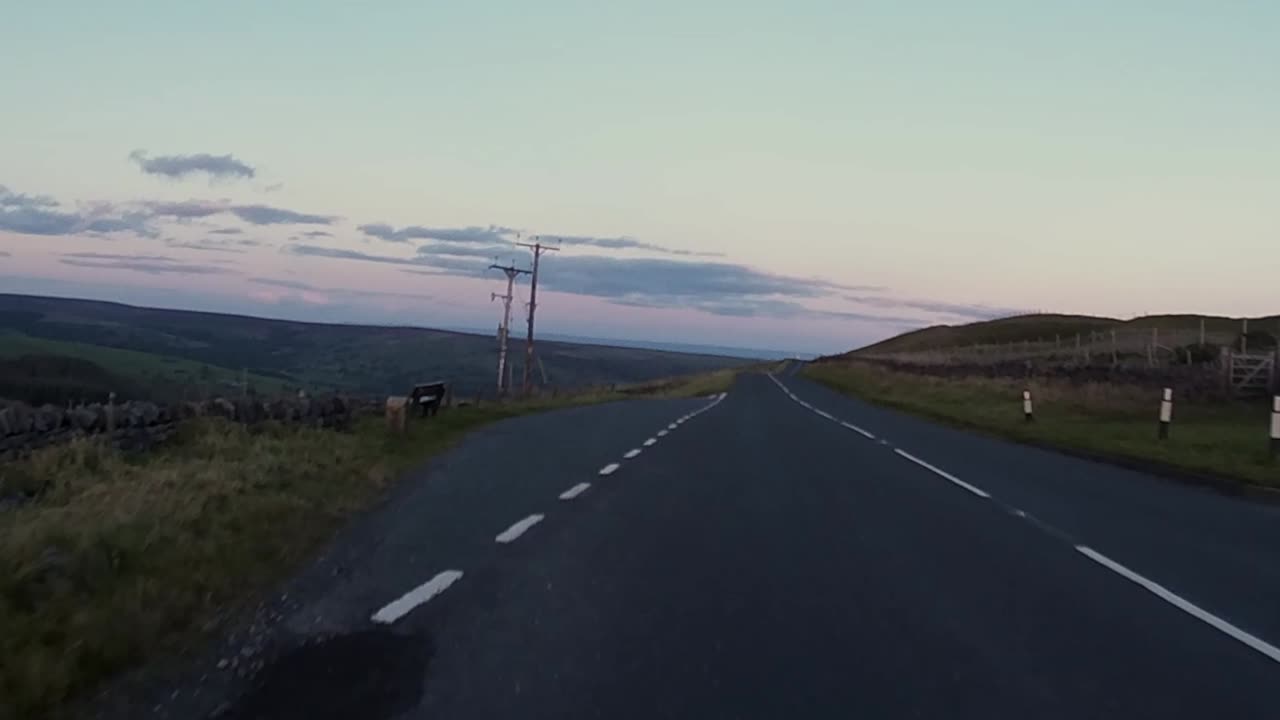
(783, 552)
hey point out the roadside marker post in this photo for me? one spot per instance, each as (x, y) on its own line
(1026, 406)
(1275, 427)
(1166, 413)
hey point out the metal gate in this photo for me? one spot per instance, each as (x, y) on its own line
(1251, 374)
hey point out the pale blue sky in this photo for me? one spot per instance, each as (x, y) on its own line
(931, 161)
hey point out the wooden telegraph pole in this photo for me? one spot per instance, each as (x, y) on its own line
(538, 248)
(504, 330)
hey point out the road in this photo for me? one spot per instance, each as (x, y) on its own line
(781, 552)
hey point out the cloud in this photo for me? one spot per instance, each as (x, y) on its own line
(12, 199)
(474, 234)
(180, 166)
(316, 234)
(969, 311)
(208, 245)
(226, 231)
(475, 251)
(253, 214)
(149, 264)
(5, 253)
(42, 215)
(495, 234)
(343, 254)
(289, 284)
(266, 215)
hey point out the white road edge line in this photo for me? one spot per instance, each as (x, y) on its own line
(943, 473)
(650, 442)
(1161, 592)
(631, 453)
(672, 426)
(515, 531)
(393, 611)
(575, 491)
(609, 469)
(663, 432)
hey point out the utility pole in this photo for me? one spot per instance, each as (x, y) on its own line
(504, 330)
(538, 248)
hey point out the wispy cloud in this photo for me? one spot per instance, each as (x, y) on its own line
(5, 253)
(344, 254)
(149, 264)
(968, 311)
(180, 166)
(316, 234)
(253, 214)
(227, 231)
(208, 245)
(474, 234)
(496, 234)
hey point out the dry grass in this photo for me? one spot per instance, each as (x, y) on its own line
(1225, 439)
(121, 558)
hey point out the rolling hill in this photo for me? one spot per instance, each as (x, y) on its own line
(169, 352)
(1033, 328)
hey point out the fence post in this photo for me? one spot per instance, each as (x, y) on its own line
(111, 412)
(1027, 413)
(1244, 336)
(1115, 358)
(1202, 331)
(1166, 413)
(1275, 426)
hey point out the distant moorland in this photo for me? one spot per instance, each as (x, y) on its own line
(57, 350)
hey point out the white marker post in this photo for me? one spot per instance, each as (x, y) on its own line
(1026, 406)
(1275, 426)
(1166, 413)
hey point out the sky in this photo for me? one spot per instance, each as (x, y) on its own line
(802, 176)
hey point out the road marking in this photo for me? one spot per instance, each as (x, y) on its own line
(575, 491)
(609, 469)
(650, 442)
(858, 430)
(632, 453)
(672, 426)
(943, 473)
(415, 597)
(662, 433)
(824, 414)
(515, 531)
(1161, 592)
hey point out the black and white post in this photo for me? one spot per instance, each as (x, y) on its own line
(1166, 413)
(1026, 406)
(1275, 426)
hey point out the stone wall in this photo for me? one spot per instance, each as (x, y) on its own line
(142, 425)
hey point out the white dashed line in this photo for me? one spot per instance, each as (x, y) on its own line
(609, 469)
(672, 426)
(575, 491)
(415, 597)
(859, 430)
(650, 442)
(662, 433)
(1161, 592)
(515, 531)
(631, 453)
(942, 473)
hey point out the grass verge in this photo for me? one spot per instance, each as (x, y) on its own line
(122, 558)
(1227, 440)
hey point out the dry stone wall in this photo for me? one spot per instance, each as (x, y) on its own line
(142, 425)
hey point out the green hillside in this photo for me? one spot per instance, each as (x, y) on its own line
(1040, 327)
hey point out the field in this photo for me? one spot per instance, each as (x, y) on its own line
(179, 345)
(1225, 440)
(121, 558)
